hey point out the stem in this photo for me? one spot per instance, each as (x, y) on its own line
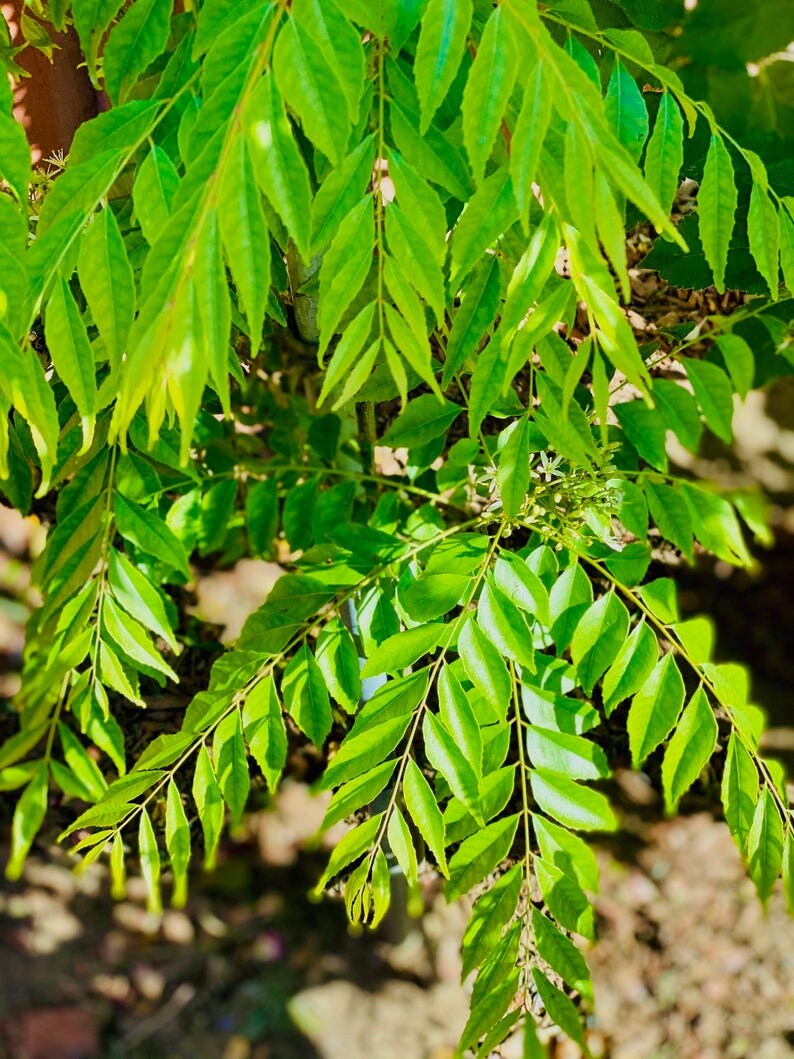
(522, 764)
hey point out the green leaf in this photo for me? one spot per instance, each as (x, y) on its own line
(156, 183)
(340, 191)
(490, 212)
(277, 162)
(568, 852)
(28, 817)
(522, 586)
(474, 316)
(570, 597)
(689, 749)
(350, 848)
(490, 916)
(788, 871)
(498, 984)
(442, 42)
(655, 709)
(138, 597)
(107, 282)
(529, 134)
(415, 351)
(678, 407)
(347, 354)
(177, 842)
(68, 345)
(739, 791)
(568, 755)
(265, 733)
(354, 794)
(717, 200)
(485, 668)
(787, 249)
(739, 360)
(625, 110)
(646, 429)
(448, 758)
(697, 636)
(244, 234)
(512, 473)
(402, 846)
(81, 765)
(763, 230)
(418, 200)
(217, 511)
(632, 667)
(231, 767)
(561, 954)
(261, 515)
(459, 718)
(137, 40)
(671, 514)
(664, 155)
(118, 871)
(423, 809)
(565, 899)
(578, 181)
(147, 532)
(716, 526)
(14, 156)
(164, 750)
(533, 1048)
(150, 863)
(505, 627)
(433, 595)
(479, 855)
(572, 804)
(293, 599)
(364, 747)
(559, 1008)
(306, 697)
(113, 675)
(488, 89)
(627, 179)
(345, 267)
(431, 153)
(609, 226)
(91, 20)
(598, 638)
(311, 87)
(415, 258)
(337, 658)
(765, 845)
(209, 803)
(404, 648)
(424, 419)
(339, 44)
(131, 638)
(714, 394)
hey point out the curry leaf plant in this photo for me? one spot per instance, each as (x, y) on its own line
(345, 285)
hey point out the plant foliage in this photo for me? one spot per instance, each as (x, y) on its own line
(430, 200)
